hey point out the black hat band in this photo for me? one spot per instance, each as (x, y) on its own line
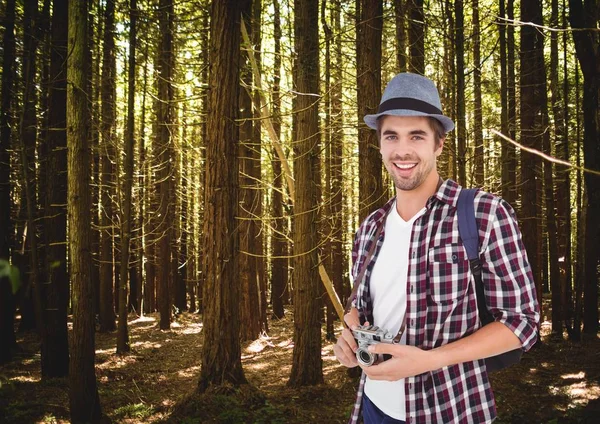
(408, 103)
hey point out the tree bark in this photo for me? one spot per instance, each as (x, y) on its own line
(416, 36)
(461, 131)
(587, 46)
(7, 332)
(108, 172)
(478, 112)
(83, 393)
(221, 354)
(531, 43)
(249, 312)
(279, 273)
(306, 362)
(55, 345)
(123, 332)
(164, 151)
(368, 75)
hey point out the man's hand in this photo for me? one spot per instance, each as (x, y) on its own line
(345, 348)
(406, 361)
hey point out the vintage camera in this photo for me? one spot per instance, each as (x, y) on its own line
(367, 335)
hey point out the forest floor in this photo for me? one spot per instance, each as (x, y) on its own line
(557, 382)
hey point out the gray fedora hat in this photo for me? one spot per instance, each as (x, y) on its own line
(410, 95)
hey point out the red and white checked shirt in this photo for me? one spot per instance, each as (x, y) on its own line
(441, 303)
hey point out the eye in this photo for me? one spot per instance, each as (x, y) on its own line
(418, 137)
(391, 137)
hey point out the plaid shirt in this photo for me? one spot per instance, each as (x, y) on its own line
(441, 303)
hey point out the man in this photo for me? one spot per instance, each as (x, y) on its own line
(416, 279)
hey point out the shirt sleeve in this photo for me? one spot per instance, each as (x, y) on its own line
(509, 287)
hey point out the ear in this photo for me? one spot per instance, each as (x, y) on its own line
(440, 147)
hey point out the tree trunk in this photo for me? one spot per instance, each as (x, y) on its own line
(249, 312)
(337, 146)
(511, 152)
(478, 112)
(7, 306)
(123, 332)
(416, 36)
(531, 42)
(279, 273)
(164, 149)
(368, 56)
(326, 224)
(108, 172)
(306, 362)
(585, 15)
(83, 393)
(461, 130)
(400, 7)
(55, 345)
(221, 354)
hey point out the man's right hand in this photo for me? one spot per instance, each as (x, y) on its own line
(346, 346)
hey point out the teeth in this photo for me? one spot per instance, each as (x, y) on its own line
(405, 166)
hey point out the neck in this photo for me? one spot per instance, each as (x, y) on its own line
(409, 202)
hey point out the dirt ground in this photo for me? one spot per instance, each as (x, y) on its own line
(557, 382)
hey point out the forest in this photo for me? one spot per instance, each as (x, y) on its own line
(181, 182)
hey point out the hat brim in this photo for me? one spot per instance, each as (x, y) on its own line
(371, 120)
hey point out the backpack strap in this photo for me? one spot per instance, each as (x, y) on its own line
(469, 235)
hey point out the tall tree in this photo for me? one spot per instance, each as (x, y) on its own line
(306, 362)
(511, 153)
(123, 333)
(108, 159)
(28, 259)
(461, 131)
(369, 27)
(279, 272)
(337, 144)
(584, 16)
(531, 130)
(83, 393)
(478, 112)
(416, 36)
(221, 355)
(249, 312)
(164, 149)
(7, 333)
(400, 13)
(55, 345)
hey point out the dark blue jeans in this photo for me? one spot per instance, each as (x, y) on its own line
(373, 415)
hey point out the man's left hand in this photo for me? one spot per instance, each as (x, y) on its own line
(406, 361)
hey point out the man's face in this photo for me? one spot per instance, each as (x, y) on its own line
(409, 149)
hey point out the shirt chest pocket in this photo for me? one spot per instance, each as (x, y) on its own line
(448, 273)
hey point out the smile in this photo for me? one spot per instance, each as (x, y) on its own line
(405, 165)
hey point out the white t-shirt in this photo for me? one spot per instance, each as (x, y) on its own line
(387, 287)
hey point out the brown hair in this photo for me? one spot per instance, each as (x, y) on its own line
(438, 129)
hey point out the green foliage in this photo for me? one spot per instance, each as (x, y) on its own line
(12, 272)
(134, 410)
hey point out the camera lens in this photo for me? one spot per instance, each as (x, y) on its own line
(364, 357)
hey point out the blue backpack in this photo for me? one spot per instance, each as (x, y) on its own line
(469, 234)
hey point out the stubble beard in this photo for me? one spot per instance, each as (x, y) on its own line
(407, 184)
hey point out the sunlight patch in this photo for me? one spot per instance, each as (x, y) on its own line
(26, 379)
(144, 318)
(189, 372)
(579, 376)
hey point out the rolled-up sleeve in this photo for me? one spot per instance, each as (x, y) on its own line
(509, 287)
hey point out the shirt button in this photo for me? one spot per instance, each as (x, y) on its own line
(454, 257)
(414, 254)
(412, 322)
(411, 288)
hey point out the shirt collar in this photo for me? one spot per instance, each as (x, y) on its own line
(447, 193)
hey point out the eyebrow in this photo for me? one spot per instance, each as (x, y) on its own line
(412, 132)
